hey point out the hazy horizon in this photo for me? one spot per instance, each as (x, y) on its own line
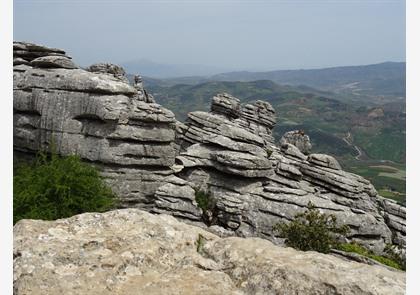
(224, 35)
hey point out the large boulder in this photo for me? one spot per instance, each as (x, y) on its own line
(299, 139)
(134, 252)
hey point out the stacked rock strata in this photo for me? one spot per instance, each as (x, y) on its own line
(255, 184)
(95, 114)
(227, 155)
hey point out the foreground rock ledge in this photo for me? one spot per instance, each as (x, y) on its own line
(131, 251)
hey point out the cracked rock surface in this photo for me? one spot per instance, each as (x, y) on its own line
(130, 251)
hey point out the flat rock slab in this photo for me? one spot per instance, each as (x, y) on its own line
(53, 62)
(130, 251)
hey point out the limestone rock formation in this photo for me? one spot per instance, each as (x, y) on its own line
(159, 164)
(95, 114)
(130, 251)
(108, 68)
(256, 184)
(298, 139)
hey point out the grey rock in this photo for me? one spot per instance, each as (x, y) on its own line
(324, 160)
(35, 47)
(29, 51)
(97, 116)
(261, 112)
(299, 139)
(292, 151)
(131, 251)
(226, 104)
(72, 80)
(108, 68)
(19, 61)
(178, 198)
(53, 62)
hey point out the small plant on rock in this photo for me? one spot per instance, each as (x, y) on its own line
(200, 243)
(393, 260)
(204, 200)
(394, 253)
(312, 230)
(207, 203)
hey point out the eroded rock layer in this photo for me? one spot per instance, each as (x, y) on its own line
(131, 251)
(255, 184)
(95, 114)
(227, 155)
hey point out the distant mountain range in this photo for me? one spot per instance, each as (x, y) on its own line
(387, 78)
(377, 83)
(163, 71)
(367, 102)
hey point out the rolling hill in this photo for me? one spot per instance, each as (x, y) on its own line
(375, 84)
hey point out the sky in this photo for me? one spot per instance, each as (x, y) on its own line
(232, 34)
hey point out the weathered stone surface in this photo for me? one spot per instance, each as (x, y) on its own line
(298, 139)
(75, 80)
(324, 160)
(226, 104)
(19, 61)
(134, 252)
(96, 115)
(291, 150)
(35, 47)
(108, 68)
(53, 62)
(396, 220)
(260, 112)
(178, 196)
(266, 184)
(29, 51)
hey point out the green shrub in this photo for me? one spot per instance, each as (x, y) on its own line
(207, 203)
(57, 187)
(392, 261)
(312, 230)
(204, 200)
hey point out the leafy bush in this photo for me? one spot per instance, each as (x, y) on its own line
(57, 187)
(204, 200)
(312, 230)
(395, 262)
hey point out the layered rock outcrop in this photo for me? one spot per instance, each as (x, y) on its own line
(227, 155)
(131, 251)
(255, 184)
(96, 114)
